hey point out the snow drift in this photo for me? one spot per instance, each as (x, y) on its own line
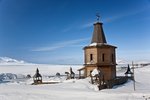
(20, 87)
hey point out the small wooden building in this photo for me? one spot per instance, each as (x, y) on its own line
(37, 78)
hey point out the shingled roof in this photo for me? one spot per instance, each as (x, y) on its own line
(98, 34)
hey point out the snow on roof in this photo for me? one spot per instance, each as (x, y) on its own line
(99, 44)
(95, 72)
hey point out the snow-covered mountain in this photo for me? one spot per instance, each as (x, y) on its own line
(7, 60)
(121, 61)
(124, 63)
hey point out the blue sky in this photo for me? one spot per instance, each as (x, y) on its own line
(55, 31)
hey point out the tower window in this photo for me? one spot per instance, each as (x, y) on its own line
(91, 57)
(112, 57)
(103, 57)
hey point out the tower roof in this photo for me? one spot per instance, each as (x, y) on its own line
(128, 70)
(98, 34)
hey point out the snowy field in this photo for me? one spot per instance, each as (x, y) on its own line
(14, 85)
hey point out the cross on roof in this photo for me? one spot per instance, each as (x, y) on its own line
(98, 16)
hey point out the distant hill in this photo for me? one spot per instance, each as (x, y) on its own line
(7, 60)
(121, 61)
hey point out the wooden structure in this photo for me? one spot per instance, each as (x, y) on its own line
(98, 79)
(70, 74)
(37, 78)
(99, 55)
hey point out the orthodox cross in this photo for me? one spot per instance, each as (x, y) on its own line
(98, 16)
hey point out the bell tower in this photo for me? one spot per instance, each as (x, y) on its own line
(99, 54)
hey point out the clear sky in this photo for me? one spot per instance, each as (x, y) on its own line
(55, 31)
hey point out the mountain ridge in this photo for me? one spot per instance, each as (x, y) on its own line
(8, 60)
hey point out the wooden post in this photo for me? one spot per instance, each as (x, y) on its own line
(99, 79)
(91, 77)
(103, 79)
(133, 76)
(79, 74)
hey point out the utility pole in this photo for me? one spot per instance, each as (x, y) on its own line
(133, 76)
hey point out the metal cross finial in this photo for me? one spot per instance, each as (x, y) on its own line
(98, 16)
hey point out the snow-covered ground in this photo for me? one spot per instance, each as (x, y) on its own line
(14, 85)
